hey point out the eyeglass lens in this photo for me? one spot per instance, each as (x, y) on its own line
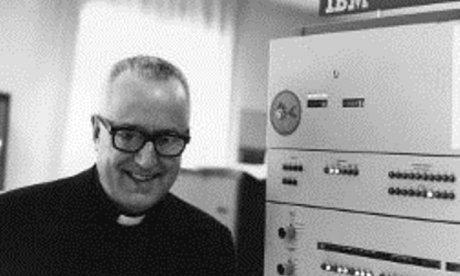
(132, 141)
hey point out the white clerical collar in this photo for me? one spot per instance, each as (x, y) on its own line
(129, 221)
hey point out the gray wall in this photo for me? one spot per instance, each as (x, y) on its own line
(37, 43)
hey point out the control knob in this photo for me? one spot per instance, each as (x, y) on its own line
(288, 232)
(286, 268)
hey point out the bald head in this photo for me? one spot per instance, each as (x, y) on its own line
(147, 69)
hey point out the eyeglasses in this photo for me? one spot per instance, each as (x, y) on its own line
(131, 139)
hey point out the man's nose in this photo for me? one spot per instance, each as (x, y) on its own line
(147, 157)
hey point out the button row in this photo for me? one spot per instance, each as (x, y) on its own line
(422, 176)
(346, 270)
(289, 181)
(342, 171)
(421, 193)
(292, 167)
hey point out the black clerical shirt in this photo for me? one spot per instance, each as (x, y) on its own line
(69, 227)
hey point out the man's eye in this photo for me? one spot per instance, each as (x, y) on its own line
(127, 134)
(168, 140)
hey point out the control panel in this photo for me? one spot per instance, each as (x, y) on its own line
(330, 242)
(363, 138)
(424, 187)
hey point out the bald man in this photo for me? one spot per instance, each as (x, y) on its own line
(118, 217)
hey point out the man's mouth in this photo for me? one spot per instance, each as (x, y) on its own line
(139, 177)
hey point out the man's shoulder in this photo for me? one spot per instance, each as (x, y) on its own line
(42, 195)
(191, 216)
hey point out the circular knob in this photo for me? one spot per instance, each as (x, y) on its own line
(288, 232)
(286, 269)
(281, 232)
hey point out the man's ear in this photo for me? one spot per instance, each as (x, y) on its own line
(96, 128)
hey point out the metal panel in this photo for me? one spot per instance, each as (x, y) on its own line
(400, 185)
(363, 140)
(406, 83)
(298, 251)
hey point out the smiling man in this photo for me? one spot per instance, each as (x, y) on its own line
(118, 218)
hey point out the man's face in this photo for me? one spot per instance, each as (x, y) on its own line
(136, 181)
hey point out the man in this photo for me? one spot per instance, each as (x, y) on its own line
(118, 218)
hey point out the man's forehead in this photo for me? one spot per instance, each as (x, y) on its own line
(131, 83)
(150, 105)
(129, 89)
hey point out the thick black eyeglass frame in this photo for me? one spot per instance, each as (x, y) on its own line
(148, 137)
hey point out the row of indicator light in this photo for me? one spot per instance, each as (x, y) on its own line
(289, 181)
(421, 193)
(293, 167)
(353, 171)
(422, 176)
(289, 269)
(346, 270)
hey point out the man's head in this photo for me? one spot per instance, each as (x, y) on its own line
(146, 97)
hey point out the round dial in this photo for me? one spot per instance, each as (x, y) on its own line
(285, 112)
